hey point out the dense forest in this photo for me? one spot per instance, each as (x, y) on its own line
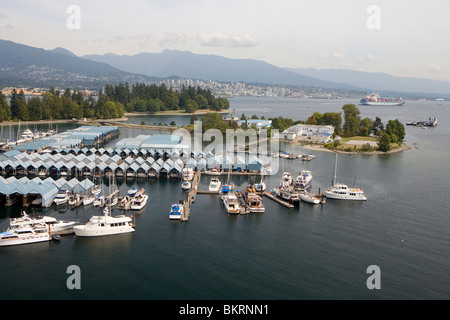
(113, 102)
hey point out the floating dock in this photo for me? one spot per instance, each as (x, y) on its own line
(280, 201)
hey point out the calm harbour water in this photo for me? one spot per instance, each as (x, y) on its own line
(309, 252)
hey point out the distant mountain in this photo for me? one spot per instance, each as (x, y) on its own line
(63, 51)
(22, 65)
(186, 64)
(377, 81)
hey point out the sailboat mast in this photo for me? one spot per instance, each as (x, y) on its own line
(335, 169)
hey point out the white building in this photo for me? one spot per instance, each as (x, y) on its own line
(313, 132)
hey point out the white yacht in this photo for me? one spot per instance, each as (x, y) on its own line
(27, 135)
(105, 225)
(24, 235)
(214, 185)
(62, 197)
(176, 211)
(231, 203)
(139, 201)
(304, 180)
(343, 192)
(286, 180)
(54, 224)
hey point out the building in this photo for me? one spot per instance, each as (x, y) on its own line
(260, 124)
(313, 132)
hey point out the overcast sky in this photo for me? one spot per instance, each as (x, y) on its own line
(399, 37)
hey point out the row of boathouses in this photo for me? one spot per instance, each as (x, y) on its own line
(38, 191)
(119, 163)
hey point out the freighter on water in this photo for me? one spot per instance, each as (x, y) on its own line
(375, 100)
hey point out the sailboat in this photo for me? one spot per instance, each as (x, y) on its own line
(341, 191)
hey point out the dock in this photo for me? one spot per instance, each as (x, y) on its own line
(191, 196)
(276, 199)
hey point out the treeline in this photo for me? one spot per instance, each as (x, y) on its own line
(142, 97)
(112, 103)
(55, 104)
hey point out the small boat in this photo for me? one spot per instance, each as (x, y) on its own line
(91, 198)
(56, 237)
(214, 185)
(231, 203)
(75, 200)
(125, 203)
(62, 197)
(308, 197)
(24, 235)
(213, 172)
(227, 187)
(176, 211)
(307, 157)
(27, 135)
(139, 202)
(186, 185)
(188, 174)
(132, 192)
(99, 202)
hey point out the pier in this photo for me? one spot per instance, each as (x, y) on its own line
(191, 196)
(278, 200)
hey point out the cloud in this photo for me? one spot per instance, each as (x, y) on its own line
(339, 56)
(435, 68)
(173, 38)
(368, 58)
(219, 39)
(142, 39)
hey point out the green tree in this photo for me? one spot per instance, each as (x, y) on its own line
(333, 119)
(35, 108)
(5, 110)
(384, 143)
(396, 130)
(351, 120)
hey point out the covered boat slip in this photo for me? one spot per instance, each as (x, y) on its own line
(80, 137)
(25, 191)
(134, 163)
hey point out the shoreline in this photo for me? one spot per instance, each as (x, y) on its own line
(317, 147)
(173, 113)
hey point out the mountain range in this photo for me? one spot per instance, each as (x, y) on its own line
(22, 65)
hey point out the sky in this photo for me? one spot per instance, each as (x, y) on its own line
(400, 37)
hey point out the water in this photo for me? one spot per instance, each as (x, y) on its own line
(309, 252)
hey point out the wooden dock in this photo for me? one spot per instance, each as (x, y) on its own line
(191, 196)
(280, 201)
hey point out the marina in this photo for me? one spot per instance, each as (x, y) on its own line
(301, 239)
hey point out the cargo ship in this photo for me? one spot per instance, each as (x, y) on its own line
(375, 100)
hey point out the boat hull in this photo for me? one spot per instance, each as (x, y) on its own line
(83, 231)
